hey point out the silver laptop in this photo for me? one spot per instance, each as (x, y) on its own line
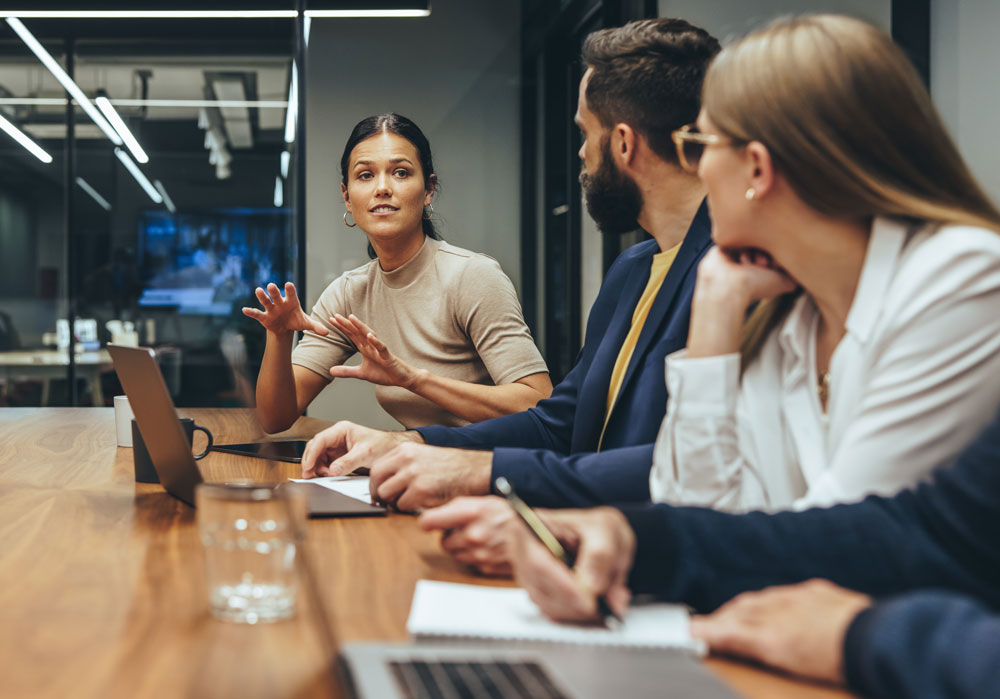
(170, 451)
(556, 671)
(156, 416)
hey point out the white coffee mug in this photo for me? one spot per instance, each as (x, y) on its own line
(123, 421)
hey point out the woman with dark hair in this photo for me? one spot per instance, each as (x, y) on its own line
(460, 350)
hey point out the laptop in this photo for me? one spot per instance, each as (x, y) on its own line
(169, 449)
(539, 671)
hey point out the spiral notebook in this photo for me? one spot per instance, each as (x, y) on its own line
(450, 610)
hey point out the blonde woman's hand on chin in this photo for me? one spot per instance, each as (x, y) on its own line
(282, 314)
(378, 364)
(729, 280)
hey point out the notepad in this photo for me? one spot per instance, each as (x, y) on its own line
(441, 609)
(352, 486)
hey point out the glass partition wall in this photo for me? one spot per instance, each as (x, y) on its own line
(159, 236)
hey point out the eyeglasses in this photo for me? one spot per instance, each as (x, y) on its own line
(691, 144)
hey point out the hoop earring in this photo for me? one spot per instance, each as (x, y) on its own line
(751, 194)
(427, 216)
(353, 222)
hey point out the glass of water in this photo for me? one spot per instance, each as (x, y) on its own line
(251, 533)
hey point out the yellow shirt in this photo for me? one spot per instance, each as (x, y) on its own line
(657, 273)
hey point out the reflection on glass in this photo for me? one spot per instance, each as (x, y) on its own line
(173, 222)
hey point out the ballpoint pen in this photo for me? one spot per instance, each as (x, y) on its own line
(548, 539)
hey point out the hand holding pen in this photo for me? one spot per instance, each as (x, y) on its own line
(580, 571)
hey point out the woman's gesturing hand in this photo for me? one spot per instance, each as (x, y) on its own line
(378, 364)
(282, 314)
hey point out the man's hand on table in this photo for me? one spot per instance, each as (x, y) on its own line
(414, 477)
(346, 447)
(796, 628)
(474, 531)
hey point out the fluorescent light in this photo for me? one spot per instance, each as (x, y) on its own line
(85, 186)
(292, 111)
(368, 13)
(194, 104)
(22, 138)
(139, 177)
(279, 192)
(37, 101)
(67, 82)
(221, 104)
(153, 14)
(285, 158)
(307, 24)
(167, 201)
(133, 145)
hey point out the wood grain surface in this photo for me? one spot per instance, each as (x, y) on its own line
(102, 590)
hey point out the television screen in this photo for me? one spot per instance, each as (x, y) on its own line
(203, 263)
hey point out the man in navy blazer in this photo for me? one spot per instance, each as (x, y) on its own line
(643, 81)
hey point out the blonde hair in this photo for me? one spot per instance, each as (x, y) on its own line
(849, 124)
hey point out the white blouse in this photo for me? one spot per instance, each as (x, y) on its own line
(914, 379)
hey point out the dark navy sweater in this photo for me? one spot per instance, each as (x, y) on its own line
(941, 535)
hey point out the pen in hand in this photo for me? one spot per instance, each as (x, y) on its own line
(548, 539)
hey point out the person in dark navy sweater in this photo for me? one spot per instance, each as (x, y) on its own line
(929, 556)
(592, 441)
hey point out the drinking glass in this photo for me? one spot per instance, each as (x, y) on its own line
(251, 533)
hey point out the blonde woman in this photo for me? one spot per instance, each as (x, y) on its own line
(844, 211)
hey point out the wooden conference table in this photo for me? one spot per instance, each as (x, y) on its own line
(101, 579)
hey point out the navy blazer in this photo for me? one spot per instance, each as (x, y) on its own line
(549, 453)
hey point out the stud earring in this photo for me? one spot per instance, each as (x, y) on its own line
(751, 194)
(353, 223)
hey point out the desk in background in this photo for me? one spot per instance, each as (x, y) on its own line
(101, 579)
(48, 364)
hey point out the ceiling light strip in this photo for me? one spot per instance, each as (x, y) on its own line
(153, 14)
(67, 82)
(343, 14)
(261, 104)
(167, 201)
(122, 128)
(279, 193)
(194, 104)
(292, 111)
(101, 201)
(22, 138)
(35, 101)
(139, 177)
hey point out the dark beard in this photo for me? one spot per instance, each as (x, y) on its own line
(613, 198)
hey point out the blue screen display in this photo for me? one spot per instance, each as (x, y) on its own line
(204, 263)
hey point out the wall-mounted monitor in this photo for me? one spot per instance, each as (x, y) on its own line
(203, 263)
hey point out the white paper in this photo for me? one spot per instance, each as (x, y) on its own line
(500, 613)
(352, 486)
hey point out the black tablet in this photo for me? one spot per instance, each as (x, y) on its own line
(323, 502)
(289, 450)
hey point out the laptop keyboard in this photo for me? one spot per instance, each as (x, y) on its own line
(420, 679)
